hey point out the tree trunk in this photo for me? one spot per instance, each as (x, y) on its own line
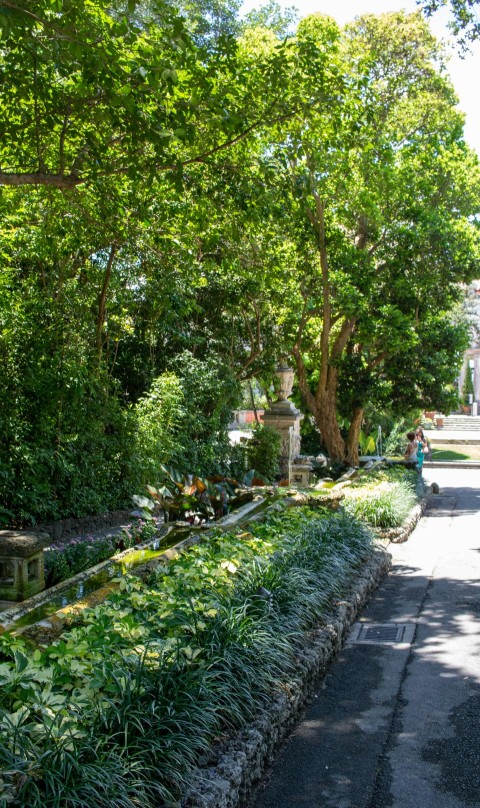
(353, 437)
(330, 431)
(322, 406)
(252, 399)
(102, 302)
(326, 400)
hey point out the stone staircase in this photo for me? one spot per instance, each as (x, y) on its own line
(461, 423)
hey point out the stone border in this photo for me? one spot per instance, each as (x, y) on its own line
(235, 766)
(398, 535)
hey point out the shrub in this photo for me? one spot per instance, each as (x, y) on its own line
(467, 389)
(210, 394)
(263, 451)
(157, 416)
(396, 441)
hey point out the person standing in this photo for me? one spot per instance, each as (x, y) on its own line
(422, 447)
(411, 455)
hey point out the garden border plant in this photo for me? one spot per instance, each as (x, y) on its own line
(65, 559)
(192, 648)
(195, 666)
(386, 498)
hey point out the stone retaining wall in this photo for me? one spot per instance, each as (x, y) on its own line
(227, 778)
(397, 535)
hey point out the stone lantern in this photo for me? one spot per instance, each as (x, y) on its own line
(285, 418)
(21, 564)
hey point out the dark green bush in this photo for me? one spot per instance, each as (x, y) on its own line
(263, 451)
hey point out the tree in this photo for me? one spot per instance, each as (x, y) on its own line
(273, 17)
(374, 191)
(98, 90)
(466, 22)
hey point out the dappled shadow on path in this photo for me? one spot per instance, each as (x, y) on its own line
(459, 501)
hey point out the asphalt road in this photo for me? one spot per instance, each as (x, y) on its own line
(396, 722)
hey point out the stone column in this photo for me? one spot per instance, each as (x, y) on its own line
(285, 418)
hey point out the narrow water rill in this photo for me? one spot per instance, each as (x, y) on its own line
(45, 607)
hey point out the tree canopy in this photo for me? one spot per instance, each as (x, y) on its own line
(465, 16)
(188, 197)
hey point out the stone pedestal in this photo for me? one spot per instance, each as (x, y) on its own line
(285, 418)
(301, 474)
(21, 564)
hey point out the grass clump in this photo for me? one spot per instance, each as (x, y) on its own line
(386, 500)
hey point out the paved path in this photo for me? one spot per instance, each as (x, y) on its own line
(397, 724)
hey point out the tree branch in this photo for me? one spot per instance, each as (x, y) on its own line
(63, 181)
(307, 394)
(377, 361)
(346, 331)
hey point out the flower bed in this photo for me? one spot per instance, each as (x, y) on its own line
(193, 652)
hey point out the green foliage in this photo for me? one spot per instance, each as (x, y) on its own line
(365, 206)
(65, 441)
(465, 24)
(263, 451)
(65, 559)
(386, 506)
(396, 441)
(467, 389)
(157, 417)
(146, 270)
(271, 15)
(367, 443)
(237, 461)
(193, 653)
(210, 393)
(189, 497)
(311, 438)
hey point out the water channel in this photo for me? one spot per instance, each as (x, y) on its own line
(43, 606)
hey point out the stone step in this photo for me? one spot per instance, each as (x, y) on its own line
(460, 422)
(472, 427)
(450, 425)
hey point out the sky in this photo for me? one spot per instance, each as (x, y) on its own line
(464, 72)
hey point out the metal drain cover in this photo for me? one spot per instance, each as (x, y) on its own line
(381, 634)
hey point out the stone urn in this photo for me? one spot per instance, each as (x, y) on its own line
(285, 377)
